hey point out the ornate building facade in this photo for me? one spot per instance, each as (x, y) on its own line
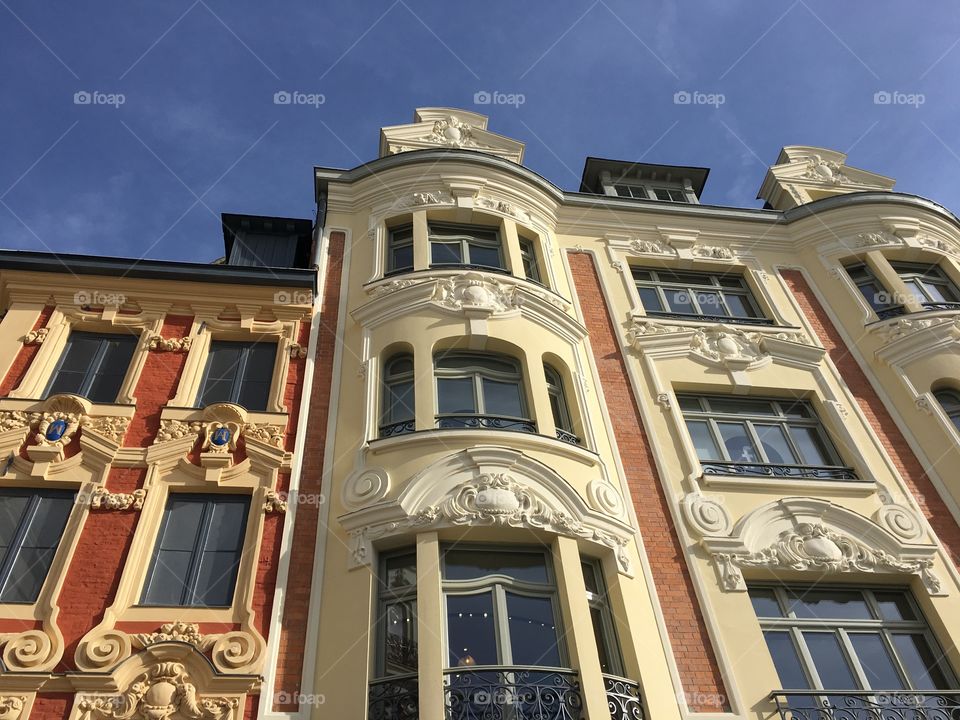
(545, 455)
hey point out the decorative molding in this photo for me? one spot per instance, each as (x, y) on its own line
(706, 515)
(452, 132)
(475, 292)
(728, 346)
(16, 420)
(274, 502)
(270, 434)
(112, 427)
(35, 337)
(158, 342)
(297, 351)
(503, 207)
(364, 487)
(714, 252)
(664, 401)
(177, 430)
(11, 706)
(103, 499)
(605, 498)
(876, 239)
(175, 632)
(839, 407)
(30, 650)
(827, 171)
(924, 404)
(639, 246)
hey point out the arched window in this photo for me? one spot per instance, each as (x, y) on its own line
(397, 411)
(480, 390)
(558, 404)
(950, 402)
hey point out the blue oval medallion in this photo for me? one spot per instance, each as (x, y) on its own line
(55, 430)
(221, 436)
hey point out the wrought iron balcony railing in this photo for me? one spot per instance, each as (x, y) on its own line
(623, 698)
(567, 436)
(891, 311)
(811, 472)
(398, 428)
(941, 306)
(867, 705)
(710, 318)
(489, 422)
(467, 266)
(897, 310)
(513, 693)
(394, 698)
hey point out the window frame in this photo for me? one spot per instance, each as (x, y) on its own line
(387, 596)
(922, 274)
(601, 602)
(951, 408)
(498, 585)
(477, 374)
(670, 191)
(238, 378)
(556, 391)
(8, 560)
(389, 427)
(842, 628)
(393, 244)
(712, 284)
(631, 190)
(528, 260)
(190, 585)
(92, 371)
(465, 234)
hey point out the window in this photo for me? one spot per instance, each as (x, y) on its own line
(670, 194)
(400, 250)
(558, 404)
(760, 437)
(397, 654)
(480, 390)
(634, 191)
(529, 258)
(238, 372)
(198, 550)
(870, 287)
(93, 366)
(928, 284)
(397, 415)
(848, 639)
(697, 295)
(501, 608)
(465, 246)
(950, 402)
(603, 629)
(31, 524)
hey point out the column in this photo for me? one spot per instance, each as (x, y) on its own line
(421, 241)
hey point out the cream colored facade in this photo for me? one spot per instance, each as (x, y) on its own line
(427, 488)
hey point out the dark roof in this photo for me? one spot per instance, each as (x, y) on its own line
(593, 167)
(235, 224)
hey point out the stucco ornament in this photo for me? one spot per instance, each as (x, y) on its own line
(274, 502)
(706, 515)
(112, 427)
(605, 498)
(269, 434)
(11, 706)
(160, 343)
(876, 238)
(827, 171)
(715, 252)
(452, 132)
(164, 692)
(176, 430)
(220, 437)
(727, 346)
(29, 650)
(15, 420)
(59, 421)
(174, 632)
(103, 499)
(35, 337)
(364, 487)
(639, 246)
(473, 291)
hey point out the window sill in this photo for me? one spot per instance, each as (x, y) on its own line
(721, 319)
(96, 409)
(796, 485)
(900, 311)
(763, 325)
(453, 270)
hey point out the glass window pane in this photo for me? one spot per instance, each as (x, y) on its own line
(399, 402)
(12, 508)
(77, 362)
(894, 606)
(113, 367)
(829, 604)
(765, 603)
(227, 520)
(590, 578)
(401, 257)
(679, 301)
(485, 255)
(533, 632)
(502, 398)
(710, 303)
(922, 666)
(401, 571)
(254, 395)
(600, 633)
(786, 660)
(216, 578)
(775, 445)
(740, 306)
(916, 289)
(443, 253)
(875, 296)
(703, 440)
(741, 406)
(650, 299)
(455, 395)
(739, 445)
(460, 564)
(167, 581)
(223, 364)
(828, 659)
(812, 449)
(876, 662)
(689, 403)
(400, 653)
(471, 630)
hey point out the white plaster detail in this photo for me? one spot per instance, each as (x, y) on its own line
(103, 499)
(364, 487)
(706, 515)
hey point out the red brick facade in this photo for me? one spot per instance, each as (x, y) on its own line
(24, 357)
(692, 650)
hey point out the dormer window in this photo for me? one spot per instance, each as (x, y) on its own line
(634, 191)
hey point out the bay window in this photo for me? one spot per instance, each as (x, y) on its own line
(928, 284)
(480, 390)
(397, 411)
(693, 295)
(466, 246)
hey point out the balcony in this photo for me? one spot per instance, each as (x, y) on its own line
(875, 705)
(394, 698)
(488, 422)
(725, 319)
(514, 692)
(623, 698)
(809, 472)
(898, 310)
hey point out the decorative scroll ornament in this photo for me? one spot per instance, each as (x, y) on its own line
(177, 430)
(706, 515)
(649, 247)
(715, 252)
(11, 706)
(813, 546)
(473, 291)
(103, 499)
(175, 632)
(605, 498)
(640, 328)
(827, 171)
(109, 426)
(727, 346)
(30, 650)
(907, 326)
(365, 487)
(871, 239)
(35, 337)
(269, 434)
(452, 132)
(297, 351)
(164, 692)
(392, 286)
(16, 420)
(437, 197)
(158, 342)
(274, 502)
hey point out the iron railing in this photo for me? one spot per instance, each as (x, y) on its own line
(813, 472)
(891, 312)
(394, 698)
(869, 705)
(898, 310)
(488, 422)
(710, 318)
(512, 693)
(466, 266)
(567, 436)
(931, 306)
(398, 428)
(623, 698)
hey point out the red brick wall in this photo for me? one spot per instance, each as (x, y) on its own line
(51, 706)
(157, 384)
(24, 357)
(878, 416)
(692, 650)
(290, 661)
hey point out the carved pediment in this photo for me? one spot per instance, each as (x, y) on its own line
(448, 128)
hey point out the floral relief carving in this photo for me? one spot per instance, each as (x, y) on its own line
(827, 171)
(813, 546)
(297, 351)
(431, 198)
(269, 434)
(907, 326)
(175, 632)
(871, 239)
(35, 337)
(641, 328)
(11, 706)
(727, 346)
(274, 502)
(56, 429)
(176, 430)
(109, 426)
(472, 291)
(103, 499)
(158, 342)
(649, 247)
(502, 206)
(452, 132)
(393, 286)
(713, 251)
(16, 420)
(164, 692)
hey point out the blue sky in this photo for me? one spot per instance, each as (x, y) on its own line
(198, 132)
